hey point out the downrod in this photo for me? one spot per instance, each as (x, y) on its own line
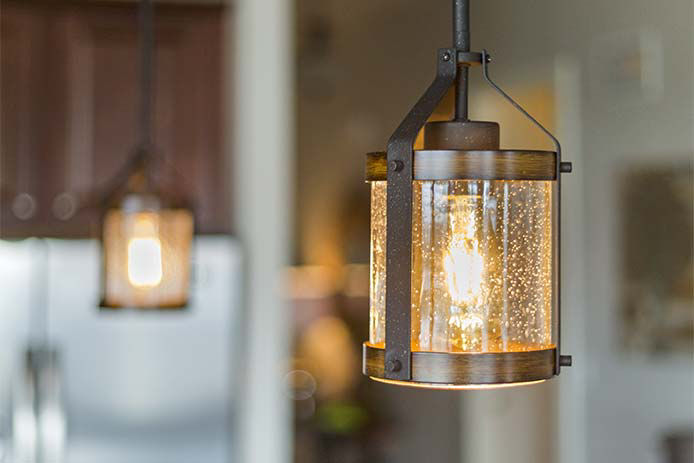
(461, 42)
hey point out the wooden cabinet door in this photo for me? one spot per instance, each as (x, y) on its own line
(70, 103)
(30, 117)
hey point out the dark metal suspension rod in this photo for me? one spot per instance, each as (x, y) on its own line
(461, 42)
(146, 37)
(461, 25)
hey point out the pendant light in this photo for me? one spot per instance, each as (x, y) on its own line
(464, 245)
(147, 231)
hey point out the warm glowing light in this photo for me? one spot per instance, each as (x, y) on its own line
(463, 262)
(144, 262)
(147, 257)
(464, 266)
(482, 265)
(455, 387)
(144, 252)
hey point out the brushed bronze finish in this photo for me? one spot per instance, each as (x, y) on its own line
(469, 368)
(461, 135)
(376, 166)
(472, 165)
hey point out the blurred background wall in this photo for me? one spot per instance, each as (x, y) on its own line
(629, 121)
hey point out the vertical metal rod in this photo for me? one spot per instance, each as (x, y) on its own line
(146, 38)
(399, 222)
(461, 42)
(461, 25)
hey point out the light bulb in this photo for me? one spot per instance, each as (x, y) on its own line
(144, 252)
(464, 268)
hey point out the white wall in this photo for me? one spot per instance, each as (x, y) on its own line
(137, 386)
(260, 128)
(633, 399)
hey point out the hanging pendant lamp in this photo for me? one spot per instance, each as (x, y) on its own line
(464, 245)
(147, 231)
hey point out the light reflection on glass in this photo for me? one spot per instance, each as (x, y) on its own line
(482, 265)
(455, 387)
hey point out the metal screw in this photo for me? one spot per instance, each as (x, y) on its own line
(565, 360)
(488, 58)
(446, 56)
(393, 365)
(565, 167)
(396, 166)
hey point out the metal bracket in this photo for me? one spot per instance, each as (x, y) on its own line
(486, 59)
(470, 58)
(399, 220)
(560, 360)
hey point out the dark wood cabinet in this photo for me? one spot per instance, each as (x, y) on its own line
(70, 96)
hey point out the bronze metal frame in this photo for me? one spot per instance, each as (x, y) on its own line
(400, 159)
(468, 368)
(472, 165)
(400, 165)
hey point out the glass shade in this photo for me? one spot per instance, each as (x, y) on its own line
(146, 252)
(482, 265)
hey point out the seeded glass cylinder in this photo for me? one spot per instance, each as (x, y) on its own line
(377, 289)
(482, 265)
(146, 255)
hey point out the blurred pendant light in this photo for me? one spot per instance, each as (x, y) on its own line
(464, 245)
(146, 233)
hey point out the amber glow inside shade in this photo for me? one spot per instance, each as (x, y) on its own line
(147, 258)
(482, 266)
(455, 387)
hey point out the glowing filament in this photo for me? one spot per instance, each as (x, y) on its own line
(463, 265)
(463, 262)
(144, 255)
